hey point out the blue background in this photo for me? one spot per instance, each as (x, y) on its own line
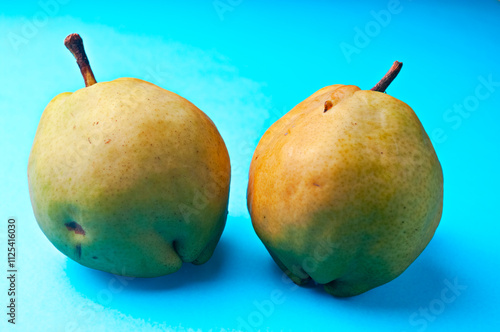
(245, 65)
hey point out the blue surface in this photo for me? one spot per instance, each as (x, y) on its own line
(245, 67)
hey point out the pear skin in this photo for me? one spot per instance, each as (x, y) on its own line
(345, 189)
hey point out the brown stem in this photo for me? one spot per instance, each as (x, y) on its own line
(74, 43)
(389, 77)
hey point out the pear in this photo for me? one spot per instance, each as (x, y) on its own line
(346, 188)
(127, 177)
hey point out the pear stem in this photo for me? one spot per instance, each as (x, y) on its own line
(74, 43)
(388, 78)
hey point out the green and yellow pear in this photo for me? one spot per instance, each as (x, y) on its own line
(346, 188)
(127, 177)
